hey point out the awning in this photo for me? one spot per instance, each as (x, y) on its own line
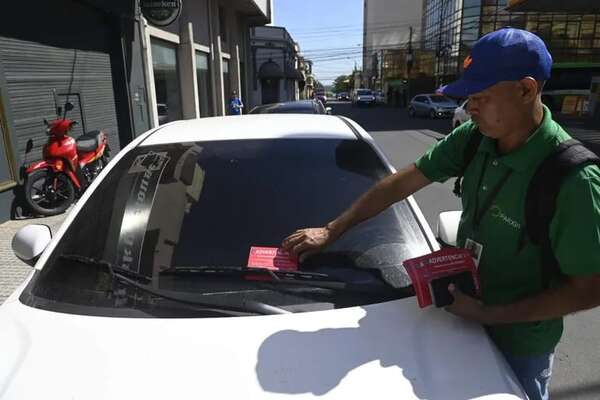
(399, 83)
(579, 6)
(293, 73)
(270, 70)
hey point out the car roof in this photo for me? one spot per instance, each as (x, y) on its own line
(252, 126)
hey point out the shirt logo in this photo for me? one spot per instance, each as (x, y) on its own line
(496, 212)
(467, 63)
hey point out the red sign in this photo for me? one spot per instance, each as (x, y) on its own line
(435, 265)
(272, 258)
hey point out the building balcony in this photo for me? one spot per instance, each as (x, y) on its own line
(259, 11)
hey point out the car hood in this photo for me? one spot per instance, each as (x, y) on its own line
(388, 350)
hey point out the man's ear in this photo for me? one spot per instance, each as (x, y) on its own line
(529, 88)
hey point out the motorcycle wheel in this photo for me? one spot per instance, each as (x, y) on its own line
(49, 193)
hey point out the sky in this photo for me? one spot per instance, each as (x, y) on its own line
(329, 32)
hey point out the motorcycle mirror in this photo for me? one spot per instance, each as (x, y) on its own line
(69, 106)
(58, 110)
(28, 146)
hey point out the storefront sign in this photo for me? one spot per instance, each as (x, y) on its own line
(161, 12)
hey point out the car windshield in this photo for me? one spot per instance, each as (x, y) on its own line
(364, 93)
(440, 99)
(206, 204)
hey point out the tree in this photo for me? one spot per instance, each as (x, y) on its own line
(342, 83)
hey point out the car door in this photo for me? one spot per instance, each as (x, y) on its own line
(419, 105)
(426, 105)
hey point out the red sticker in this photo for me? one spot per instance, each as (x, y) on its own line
(272, 258)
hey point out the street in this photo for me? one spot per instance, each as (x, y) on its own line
(404, 139)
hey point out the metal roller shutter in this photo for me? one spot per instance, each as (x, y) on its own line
(33, 70)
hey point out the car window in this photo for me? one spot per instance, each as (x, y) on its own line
(420, 99)
(207, 203)
(364, 93)
(440, 99)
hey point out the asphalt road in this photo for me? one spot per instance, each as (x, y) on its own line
(577, 362)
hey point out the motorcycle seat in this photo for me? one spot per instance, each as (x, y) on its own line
(88, 141)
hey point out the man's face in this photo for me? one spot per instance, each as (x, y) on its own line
(498, 109)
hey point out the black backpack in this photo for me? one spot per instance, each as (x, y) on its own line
(544, 187)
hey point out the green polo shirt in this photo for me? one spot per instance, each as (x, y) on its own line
(510, 266)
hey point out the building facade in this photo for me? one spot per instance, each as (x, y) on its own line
(307, 86)
(451, 27)
(275, 63)
(121, 73)
(392, 33)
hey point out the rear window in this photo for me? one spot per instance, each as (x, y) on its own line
(308, 109)
(207, 203)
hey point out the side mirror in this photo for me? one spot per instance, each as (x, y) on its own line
(30, 242)
(328, 110)
(447, 227)
(68, 106)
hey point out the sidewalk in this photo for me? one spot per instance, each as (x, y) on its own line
(12, 270)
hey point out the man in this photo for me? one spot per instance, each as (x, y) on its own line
(503, 80)
(235, 104)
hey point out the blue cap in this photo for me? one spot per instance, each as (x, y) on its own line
(507, 54)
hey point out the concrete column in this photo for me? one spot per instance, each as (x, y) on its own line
(234, 63)
(149, 73)
(186, 58)
(216, 58)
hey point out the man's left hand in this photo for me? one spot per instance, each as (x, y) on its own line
(467, 306)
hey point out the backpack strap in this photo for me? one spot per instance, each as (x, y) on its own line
(544, 187)
(468, 155)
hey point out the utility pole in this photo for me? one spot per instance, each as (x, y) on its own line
(439, 46)
(409, 63)
(381, 70)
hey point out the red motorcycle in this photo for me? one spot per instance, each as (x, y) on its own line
(68, 167)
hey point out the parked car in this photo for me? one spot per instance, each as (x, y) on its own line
(343, 96)
(293, 107)
(363, 97)
(145, 291)
(379, 97)
(432, 106)
(321, 96)
(460, 114)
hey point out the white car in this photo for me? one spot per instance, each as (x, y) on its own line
(144, 293)
(460, 115)
(363, 97)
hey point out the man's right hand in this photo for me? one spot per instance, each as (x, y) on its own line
(308, 241)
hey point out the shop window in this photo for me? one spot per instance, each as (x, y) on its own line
(558, 29)
(204, 86)
(226, 82)
(166, 81)
(222, 24)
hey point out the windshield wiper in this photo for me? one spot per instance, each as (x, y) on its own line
(112, 268)
(123, 275)
(301, 278)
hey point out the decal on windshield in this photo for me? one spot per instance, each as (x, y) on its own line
(145, 172)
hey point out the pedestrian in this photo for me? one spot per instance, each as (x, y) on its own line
(235, 104)
(522, 313)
